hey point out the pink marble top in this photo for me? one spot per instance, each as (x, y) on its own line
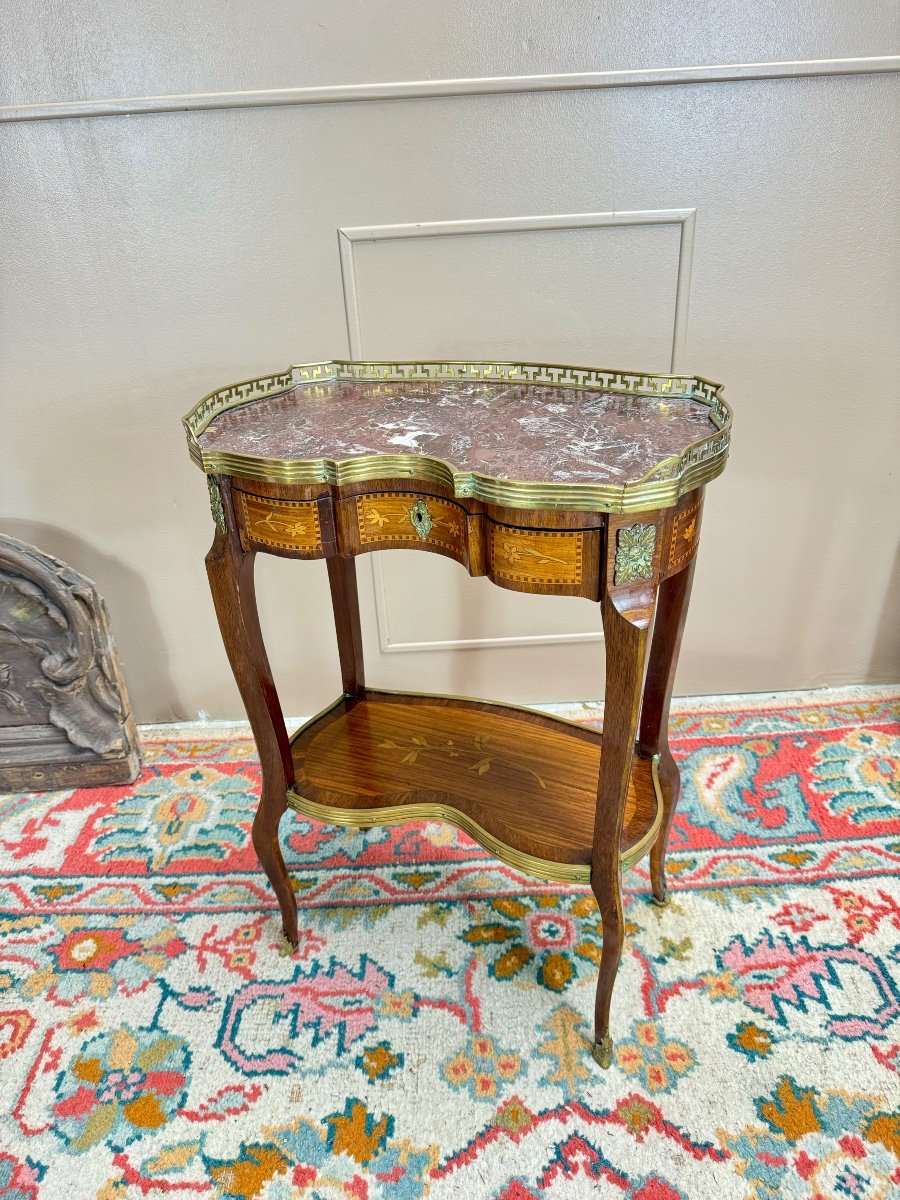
(516, 431)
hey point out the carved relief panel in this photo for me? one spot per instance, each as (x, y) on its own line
(65, 720)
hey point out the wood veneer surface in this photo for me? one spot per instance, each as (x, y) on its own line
(527, 779)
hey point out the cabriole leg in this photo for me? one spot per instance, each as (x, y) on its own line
(230, 571)
(626, 613)
(671, 611)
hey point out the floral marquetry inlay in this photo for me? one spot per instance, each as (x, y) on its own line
(685, 534)
(536, 556)
(514, 554)
(474, 755)
(404, 517)
(281, 524)
(634, 553)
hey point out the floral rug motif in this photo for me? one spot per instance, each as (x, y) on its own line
(430, 1038)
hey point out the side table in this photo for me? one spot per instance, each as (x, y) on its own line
(557, 480)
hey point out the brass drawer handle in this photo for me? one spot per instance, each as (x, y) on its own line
(421, 519)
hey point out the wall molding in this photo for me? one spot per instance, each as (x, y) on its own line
(389, 646)
(351, 236)
(437, 88)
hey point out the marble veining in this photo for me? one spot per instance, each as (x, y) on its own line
(523, 432)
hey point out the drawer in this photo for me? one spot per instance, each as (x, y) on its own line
(556, 562)
(410, 520)
(285, 526)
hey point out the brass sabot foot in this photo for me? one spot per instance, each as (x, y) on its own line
(285, 946)
(661, 901)
(601, 1052)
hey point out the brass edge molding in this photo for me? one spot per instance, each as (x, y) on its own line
(519, 860)
(398, 814)
(661, 487)
(641, 848)
(630, 498)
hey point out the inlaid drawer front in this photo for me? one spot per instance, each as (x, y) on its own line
(281, 524)
(536, 556)
(411, 519)
(685, 534)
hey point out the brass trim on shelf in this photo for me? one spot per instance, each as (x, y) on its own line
(649, 837)
(519, 860)
(396, 815)
(661, 487)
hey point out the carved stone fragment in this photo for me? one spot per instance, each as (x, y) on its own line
(65, 720)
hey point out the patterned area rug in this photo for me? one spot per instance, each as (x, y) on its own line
(430, 1038)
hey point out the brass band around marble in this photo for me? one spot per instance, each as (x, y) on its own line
(661, 487)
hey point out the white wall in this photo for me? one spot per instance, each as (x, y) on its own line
(149, 257)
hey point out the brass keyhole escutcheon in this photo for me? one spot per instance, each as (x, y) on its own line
(421, 519)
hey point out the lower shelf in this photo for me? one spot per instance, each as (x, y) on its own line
(521, 783)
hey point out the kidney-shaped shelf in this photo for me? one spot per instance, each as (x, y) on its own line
(521, 783)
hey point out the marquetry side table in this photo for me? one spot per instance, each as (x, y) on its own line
(567, 481)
